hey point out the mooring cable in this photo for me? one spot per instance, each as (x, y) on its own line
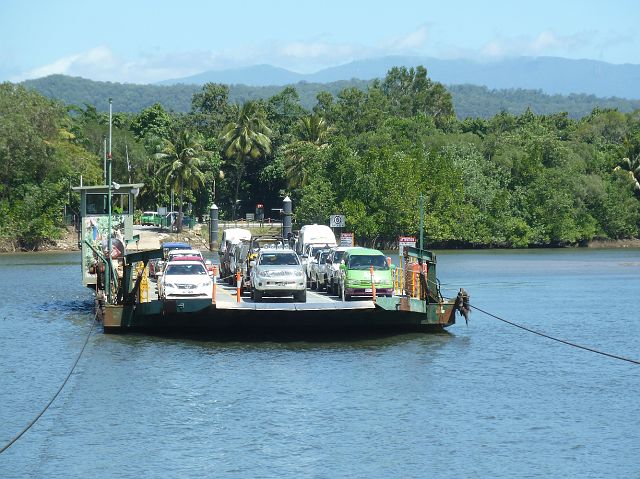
(586, 348)
(33, 421)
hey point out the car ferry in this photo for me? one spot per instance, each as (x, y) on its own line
(127, 300)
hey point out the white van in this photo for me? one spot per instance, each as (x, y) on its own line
(310, 237)
(233, 235)
(315, 234)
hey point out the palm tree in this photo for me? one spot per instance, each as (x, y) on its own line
(247, 138)
(183, 167)
(313, 131)
(632, 167)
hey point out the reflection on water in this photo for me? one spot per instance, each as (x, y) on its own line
(295, 340)
(484, 400)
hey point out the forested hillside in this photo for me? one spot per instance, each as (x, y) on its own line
(468, 100)
(511, 180)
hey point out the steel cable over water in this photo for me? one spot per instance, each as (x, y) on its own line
(75, 363)
(568, 343)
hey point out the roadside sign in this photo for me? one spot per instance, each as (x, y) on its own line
(346, 239)
(337, 221)
(404, 241)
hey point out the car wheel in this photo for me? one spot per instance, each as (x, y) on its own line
(300, 296)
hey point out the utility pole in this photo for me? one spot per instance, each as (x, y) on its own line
(421, 221)
(104, 159)
(109, 245)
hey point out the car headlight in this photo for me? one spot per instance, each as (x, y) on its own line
(265, 274)
(169, 285)
(204, 284)
(298, 274)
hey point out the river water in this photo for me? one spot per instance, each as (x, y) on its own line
(483, 400)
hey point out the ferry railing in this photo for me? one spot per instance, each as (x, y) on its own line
(143, 292)
(413, 282)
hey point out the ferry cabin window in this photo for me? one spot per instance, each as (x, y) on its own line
(97, 203)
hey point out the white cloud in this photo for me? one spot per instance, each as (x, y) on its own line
(61, 65)
(410, 42)
(304, 56)
(545, 43)
(101, 63)
(313, 50)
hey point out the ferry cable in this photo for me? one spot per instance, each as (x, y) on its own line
(586, 348)
(33, 421)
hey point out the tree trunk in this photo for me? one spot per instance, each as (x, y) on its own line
(239, 172)
(179, 226)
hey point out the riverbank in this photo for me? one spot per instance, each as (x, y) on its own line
(150, 238)
(198, 236)
(625, 243)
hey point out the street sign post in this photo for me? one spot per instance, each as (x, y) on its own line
(404, 241)
(346, 239)
(337, 221)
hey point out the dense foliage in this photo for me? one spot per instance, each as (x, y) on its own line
(468, 100)
(512, 180)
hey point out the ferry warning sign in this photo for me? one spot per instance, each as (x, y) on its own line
(404, 241)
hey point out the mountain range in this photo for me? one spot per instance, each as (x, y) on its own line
(545, 85)
(551, 75)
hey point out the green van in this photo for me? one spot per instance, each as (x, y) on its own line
(355, 277)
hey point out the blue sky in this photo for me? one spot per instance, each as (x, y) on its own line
(141, 41)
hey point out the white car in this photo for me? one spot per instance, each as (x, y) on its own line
(278, 272)
(185, 279)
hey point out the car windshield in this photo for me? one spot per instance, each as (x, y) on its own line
(337, 256)
(365, 261)
(279, 259)
(186, 269)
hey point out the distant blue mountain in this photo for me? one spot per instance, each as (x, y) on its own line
(551, 75)
(258, 75)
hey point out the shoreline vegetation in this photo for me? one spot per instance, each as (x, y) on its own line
(510, 181)
(69, 243)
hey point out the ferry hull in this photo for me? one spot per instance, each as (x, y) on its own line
(201, 315)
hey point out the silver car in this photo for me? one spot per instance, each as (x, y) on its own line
(278, 272)
(333, 268)
(318, 270)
